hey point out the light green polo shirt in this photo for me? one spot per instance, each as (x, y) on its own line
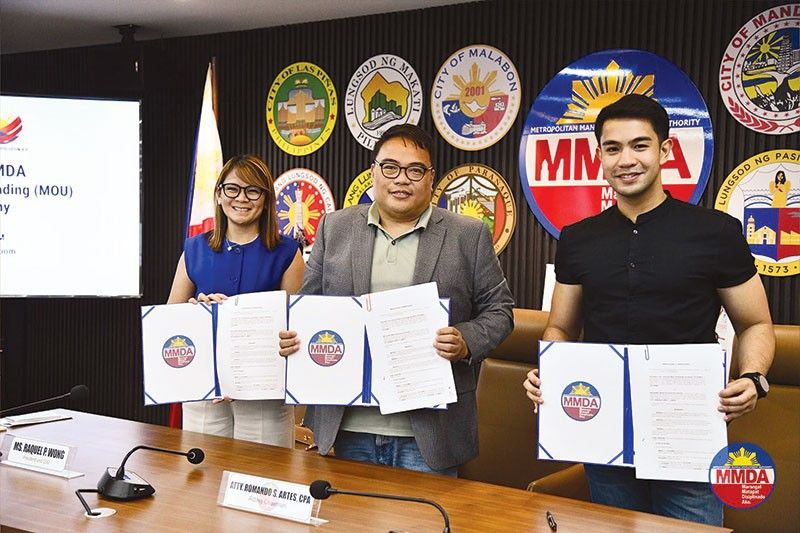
(393, 261)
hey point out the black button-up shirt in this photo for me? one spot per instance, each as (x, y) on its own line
(654, 281)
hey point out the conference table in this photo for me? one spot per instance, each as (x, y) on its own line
(186, 494)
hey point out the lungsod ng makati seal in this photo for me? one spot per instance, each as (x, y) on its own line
(562, 177)
(301, 108)
(763, 192)
(302, 197)
(759, 76)
(384, 91)
(479, 192)
(475, 97)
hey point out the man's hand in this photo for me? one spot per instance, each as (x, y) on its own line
(532, 385)
(450, 344)
(289, 342)
(214, 298)
(738, 398)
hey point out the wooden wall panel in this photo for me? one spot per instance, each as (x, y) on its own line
(51, 344)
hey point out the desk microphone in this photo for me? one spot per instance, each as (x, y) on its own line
(78, 392)
(118, 485)
(322, 490)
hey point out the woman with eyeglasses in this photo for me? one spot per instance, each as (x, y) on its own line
(243, 253)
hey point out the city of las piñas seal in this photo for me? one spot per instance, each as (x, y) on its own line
(763, 192)
(759, 75)
(475, 97)
(742, 475)
(384, 91)
(561, 174)
(301, 108)
(360, 190)
(302, 197)
(479, 192)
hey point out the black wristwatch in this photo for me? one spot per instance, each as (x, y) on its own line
(762, 385)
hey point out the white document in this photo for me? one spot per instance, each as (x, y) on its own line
(401, 326)
(177, 353)
(329, 367)
(249, 366)
(582, 417)
(678, 429)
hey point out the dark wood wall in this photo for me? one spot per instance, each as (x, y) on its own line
(51, 344)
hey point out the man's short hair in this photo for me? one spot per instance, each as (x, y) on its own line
(635, 106)
(421, 138)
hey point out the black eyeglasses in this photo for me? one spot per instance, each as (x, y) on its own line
(391, 170)
(232, 190)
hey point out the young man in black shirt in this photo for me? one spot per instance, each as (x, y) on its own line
(655, 270)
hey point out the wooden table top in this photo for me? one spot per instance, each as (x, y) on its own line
(186, 494)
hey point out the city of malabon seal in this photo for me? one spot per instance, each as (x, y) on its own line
(475, 97)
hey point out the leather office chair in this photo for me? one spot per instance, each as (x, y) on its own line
(507, 427)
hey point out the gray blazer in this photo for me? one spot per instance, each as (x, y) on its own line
(454, 251)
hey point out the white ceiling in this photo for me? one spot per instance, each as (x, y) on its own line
(29, 25)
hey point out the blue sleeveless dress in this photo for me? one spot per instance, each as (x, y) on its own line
(237, 269)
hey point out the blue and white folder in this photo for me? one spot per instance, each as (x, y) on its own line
(197, 352)
(178, 353)
(586, 414)
(334, 363)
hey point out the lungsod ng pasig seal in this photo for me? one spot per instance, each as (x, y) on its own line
(561, 174)
(759, 75)
(479, 192)
(763, 192)
(475, 97)
(384, 91)
(301, 108)
(302, 197)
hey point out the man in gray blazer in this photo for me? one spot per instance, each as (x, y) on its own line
(402, 240)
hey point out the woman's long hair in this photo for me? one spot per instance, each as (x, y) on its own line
(253, 171)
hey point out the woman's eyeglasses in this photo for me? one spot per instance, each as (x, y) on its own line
(232, 190)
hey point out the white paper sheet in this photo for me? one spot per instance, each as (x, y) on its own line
(581, 418)
(177, 353)
(401, 326)
(248, 364)
(328, 368)
(677, 427)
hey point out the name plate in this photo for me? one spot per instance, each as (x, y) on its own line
(271, 497)
(38, 455)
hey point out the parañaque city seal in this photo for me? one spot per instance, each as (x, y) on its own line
(759, 76)
(301, 108)
(475, 97)
(562, 177)
(302, 197)
(763, 192)
(742, 475)
(383, 92)
(479, 192)
(360, 190)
